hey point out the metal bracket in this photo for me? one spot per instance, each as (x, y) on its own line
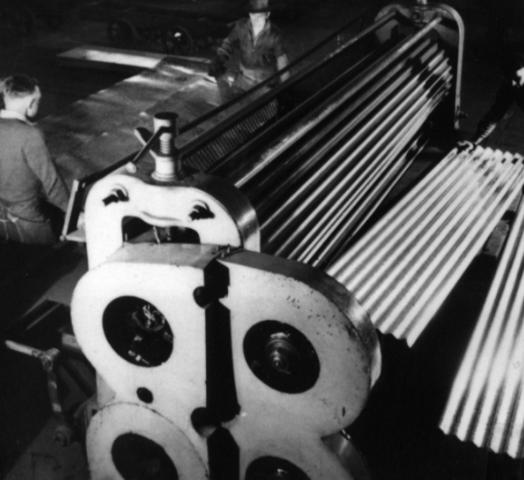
(421, 14)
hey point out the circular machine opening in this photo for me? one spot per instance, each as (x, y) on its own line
(138, 331)
(281, 356)
(139, 458)
(273, 468)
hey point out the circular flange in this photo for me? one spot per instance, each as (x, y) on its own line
(138, 331)
(281, 356)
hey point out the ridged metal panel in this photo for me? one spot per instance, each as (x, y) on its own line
(405, 266)
(316, 193)
(486, 405)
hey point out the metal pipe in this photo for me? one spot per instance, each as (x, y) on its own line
(461, 29)
(260, 98)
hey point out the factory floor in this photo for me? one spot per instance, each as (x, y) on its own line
(397, 433)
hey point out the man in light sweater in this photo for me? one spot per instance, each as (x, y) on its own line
(28, 176)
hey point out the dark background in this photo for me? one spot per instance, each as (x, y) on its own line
(397, 433)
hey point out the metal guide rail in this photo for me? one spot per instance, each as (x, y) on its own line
(485, 404)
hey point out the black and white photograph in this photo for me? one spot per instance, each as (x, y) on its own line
(261, 240)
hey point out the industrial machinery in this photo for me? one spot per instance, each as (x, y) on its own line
(217, 360)
(235, 284)
(350, 119)
(231, 392)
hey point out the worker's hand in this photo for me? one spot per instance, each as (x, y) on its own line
(217, 68)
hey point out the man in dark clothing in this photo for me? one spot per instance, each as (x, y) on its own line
(510, 93)
(258, 45)
(28, 176)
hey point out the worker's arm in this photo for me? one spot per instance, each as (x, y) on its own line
(223, 54)
(229, 44)
(40, 162)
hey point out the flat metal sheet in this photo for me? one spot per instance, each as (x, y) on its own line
(98, 131)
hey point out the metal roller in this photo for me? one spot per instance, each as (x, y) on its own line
(348, 182)
(404, 267)
(327, 186)
(316, 171)
(205, 343)
(485, 405)
(295, 163)
(367, 78)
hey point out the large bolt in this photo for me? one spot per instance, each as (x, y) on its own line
(165, 163)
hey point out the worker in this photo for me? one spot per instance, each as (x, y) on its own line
(258, 44)
(510, 93)
(28, 176)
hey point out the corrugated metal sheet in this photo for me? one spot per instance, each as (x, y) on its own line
(402, 270)
(485, 405)
(317, 185)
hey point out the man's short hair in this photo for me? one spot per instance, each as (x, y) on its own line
(18, 86)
